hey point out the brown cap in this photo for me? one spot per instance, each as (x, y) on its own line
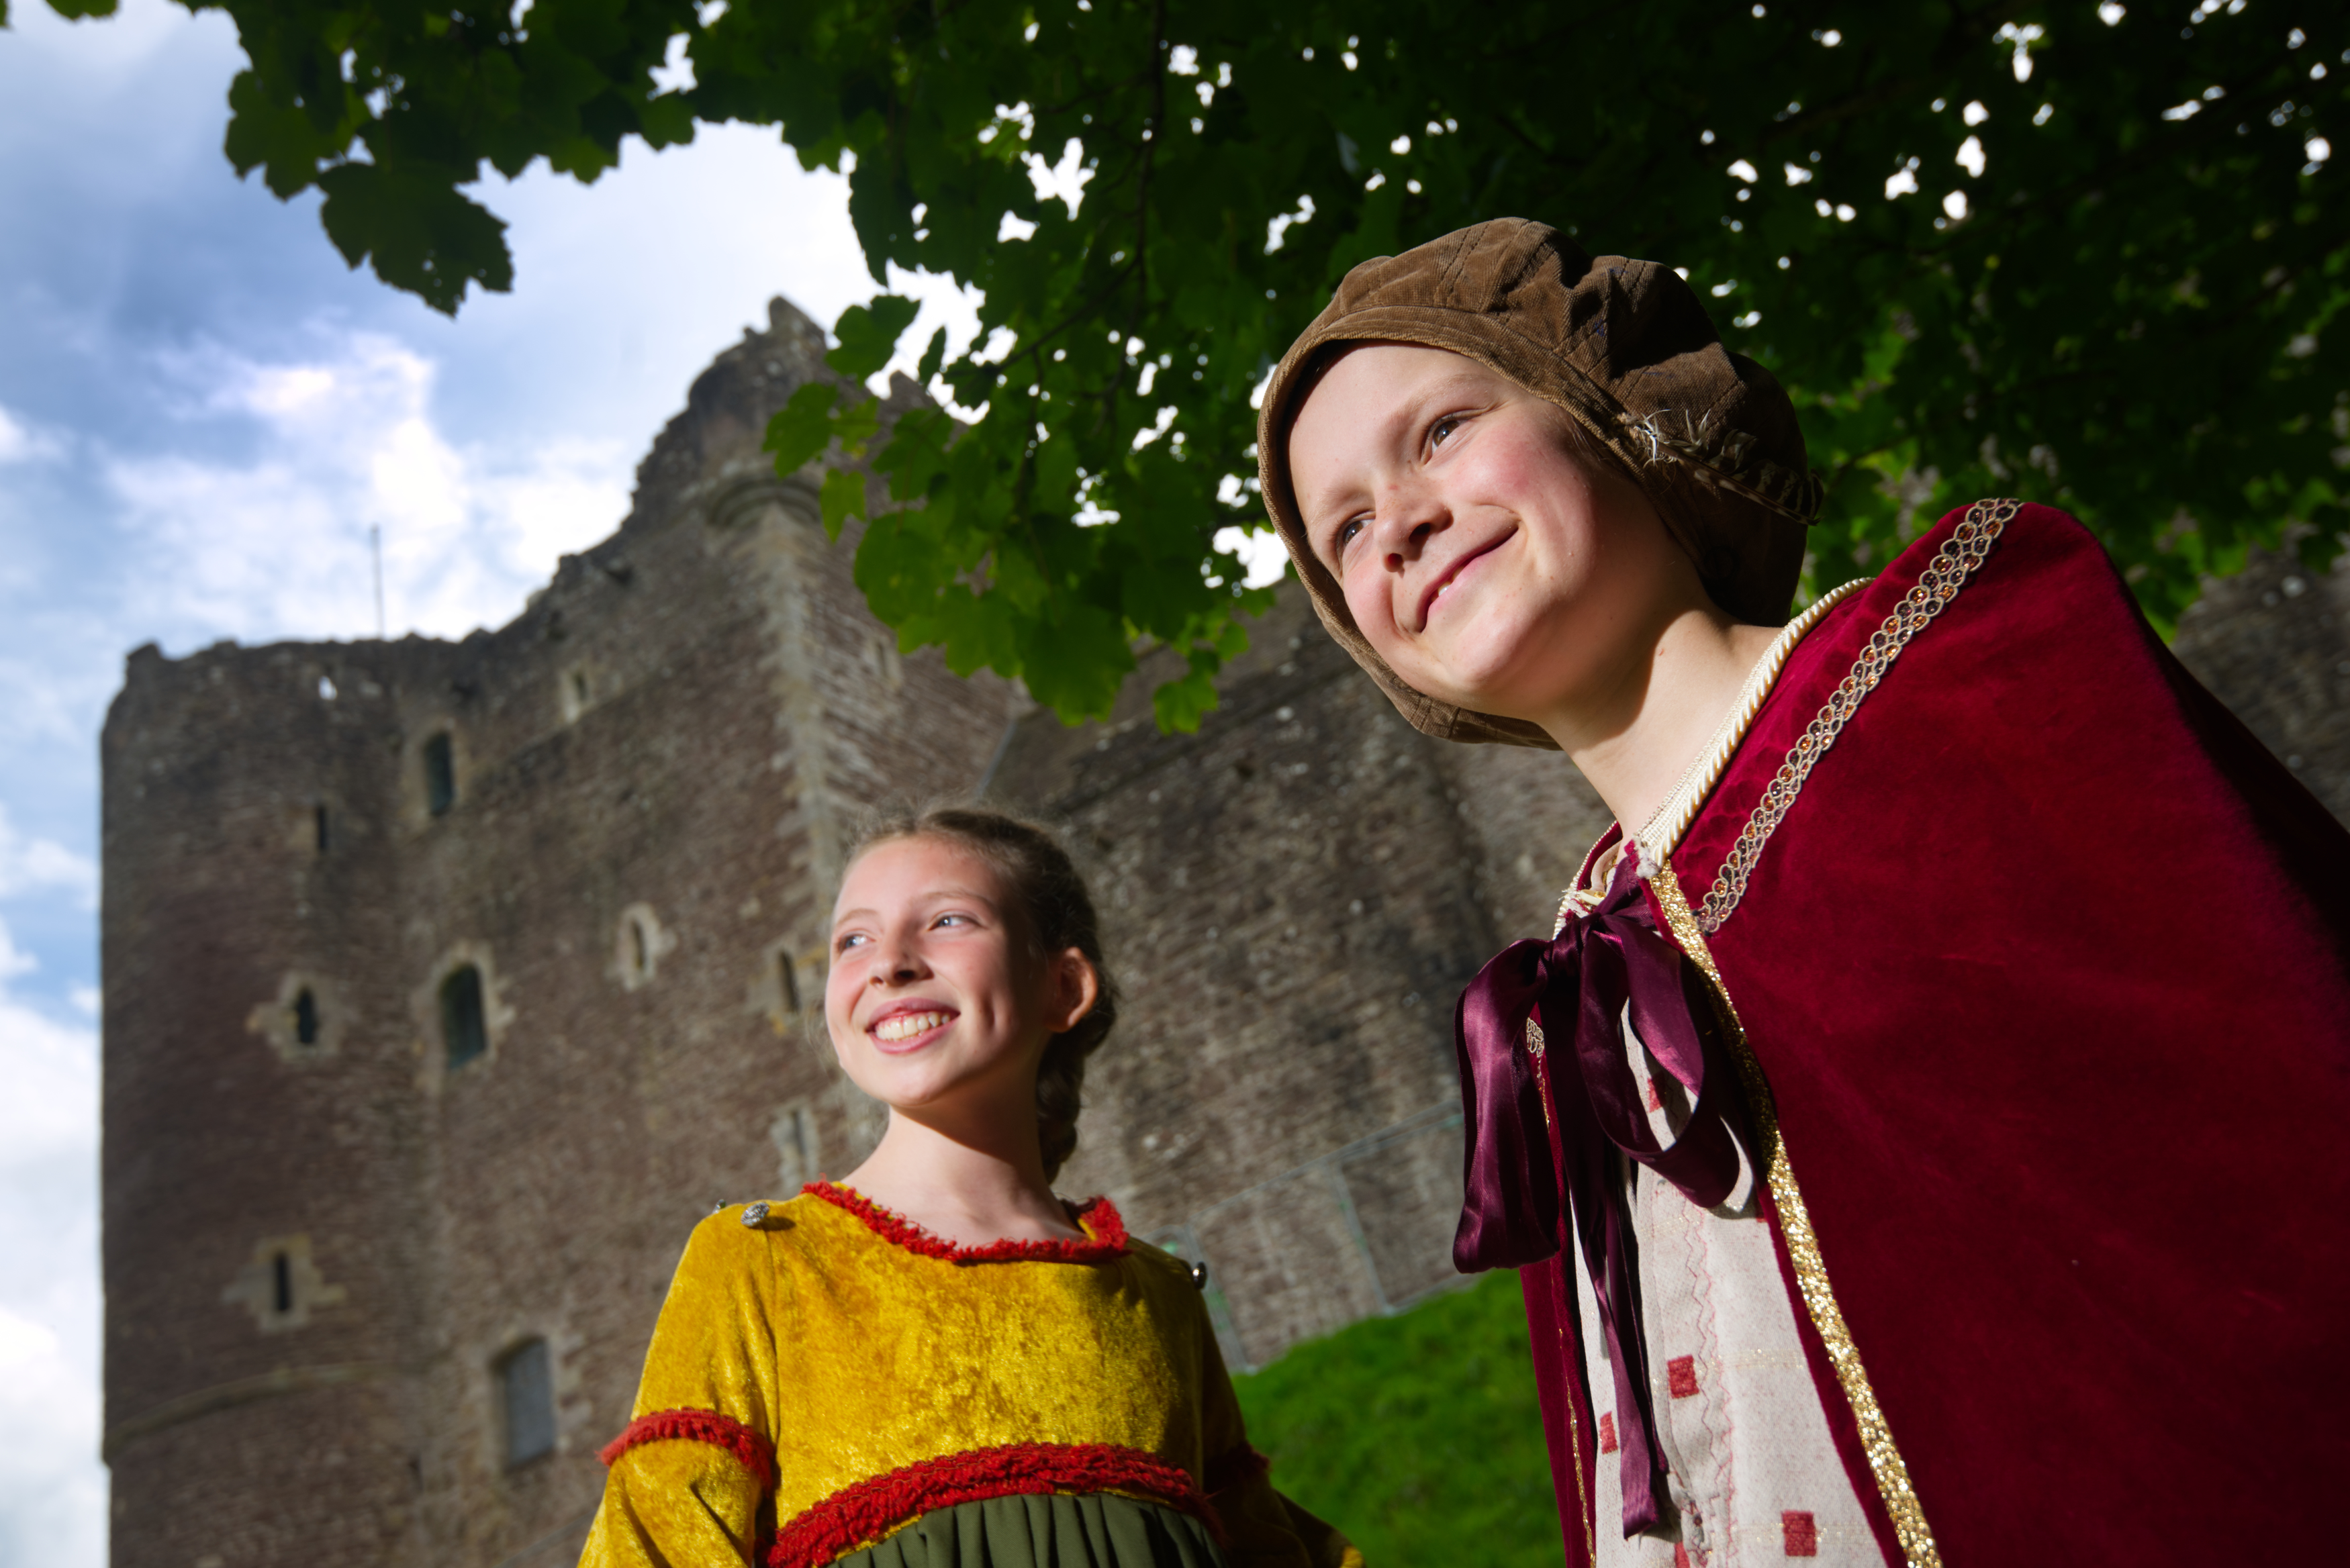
(1626, 349)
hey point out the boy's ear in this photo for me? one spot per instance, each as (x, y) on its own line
(1076, 987)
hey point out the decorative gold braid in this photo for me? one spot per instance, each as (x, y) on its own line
(1535, 1044)
(1884, 1460)
(1679, 809)
(1967, 548)
(1574, 1431)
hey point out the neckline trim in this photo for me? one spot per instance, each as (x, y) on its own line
(1105, 1231)
(1661, 834)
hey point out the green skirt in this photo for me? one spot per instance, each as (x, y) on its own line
(1098, 1530)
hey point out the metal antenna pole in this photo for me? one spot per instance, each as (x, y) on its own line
(375, 545)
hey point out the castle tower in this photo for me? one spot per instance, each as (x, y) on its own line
(265, 1265)
(438, 974)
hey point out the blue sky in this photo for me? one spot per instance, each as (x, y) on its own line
(202, 411)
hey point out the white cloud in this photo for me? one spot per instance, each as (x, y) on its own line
(273, 541)
(19, 443)
(29, 863)
(52, 1486)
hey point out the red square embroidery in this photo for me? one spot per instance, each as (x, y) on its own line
(1651, 1096)
(1803, 1534)
(1681, 1377)
(1680, 1556)
(1607, 1433)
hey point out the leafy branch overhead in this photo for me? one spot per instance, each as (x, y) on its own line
(2080, 253)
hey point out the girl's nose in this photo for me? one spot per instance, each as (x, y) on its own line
(899, 964)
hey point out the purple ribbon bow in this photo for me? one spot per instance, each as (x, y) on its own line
(1533, 1137)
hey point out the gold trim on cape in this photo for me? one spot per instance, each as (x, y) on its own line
(1705, 770)
(1967, 548)
(1884, 1460)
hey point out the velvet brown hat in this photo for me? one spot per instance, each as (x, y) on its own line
(1626, 349)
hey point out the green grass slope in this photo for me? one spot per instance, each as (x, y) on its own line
(1418, 1435)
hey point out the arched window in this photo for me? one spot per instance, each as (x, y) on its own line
(637, 946)
(440, 775)
(464, 1026)
(305, 1017)
(526, 1393)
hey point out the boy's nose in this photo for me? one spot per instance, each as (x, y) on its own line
(1406, 515)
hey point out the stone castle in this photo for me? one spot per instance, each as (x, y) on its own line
(449, 984)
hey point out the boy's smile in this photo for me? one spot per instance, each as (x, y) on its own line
(1440, 578)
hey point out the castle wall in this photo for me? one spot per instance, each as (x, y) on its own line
(2273, 643)
(230, 1144)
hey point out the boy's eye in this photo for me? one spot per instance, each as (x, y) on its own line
(1442, 428)
(1348, 531)
(842, 944)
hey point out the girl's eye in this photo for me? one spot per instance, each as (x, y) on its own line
(1442, 428)
(843, 944)
(1347, 531)
(953, 920)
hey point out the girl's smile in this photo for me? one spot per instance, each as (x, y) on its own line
(936, 1001)
(908, 1025)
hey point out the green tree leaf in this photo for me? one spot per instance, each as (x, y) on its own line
(868, 335)
(801, 430)
(1990, 247)
(842, 498)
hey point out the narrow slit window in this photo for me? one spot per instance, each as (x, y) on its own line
(306, 1018)
(464, 1028)
(440, 775)
(281, 1275)
(319, 822)
(526, 1386)
(787, 984)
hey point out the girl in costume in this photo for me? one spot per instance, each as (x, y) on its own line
(935, 1362)
(1920, 1136)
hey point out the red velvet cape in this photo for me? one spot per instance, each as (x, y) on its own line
(2048, 969)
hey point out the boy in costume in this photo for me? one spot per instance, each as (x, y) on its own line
(1919, 1137)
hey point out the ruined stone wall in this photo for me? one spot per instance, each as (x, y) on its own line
(2273, 643)
(229, 1143)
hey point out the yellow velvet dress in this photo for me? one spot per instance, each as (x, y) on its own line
(824, 1374)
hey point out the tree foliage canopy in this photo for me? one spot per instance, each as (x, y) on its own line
(2088, 254)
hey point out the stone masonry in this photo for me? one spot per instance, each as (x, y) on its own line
(332, 1242)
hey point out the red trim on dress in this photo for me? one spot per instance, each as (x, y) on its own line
(757, 1454)
(1105, 1229)
(859, 1515)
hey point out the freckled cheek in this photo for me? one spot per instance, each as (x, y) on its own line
(1369, 600)
(1511, 473)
